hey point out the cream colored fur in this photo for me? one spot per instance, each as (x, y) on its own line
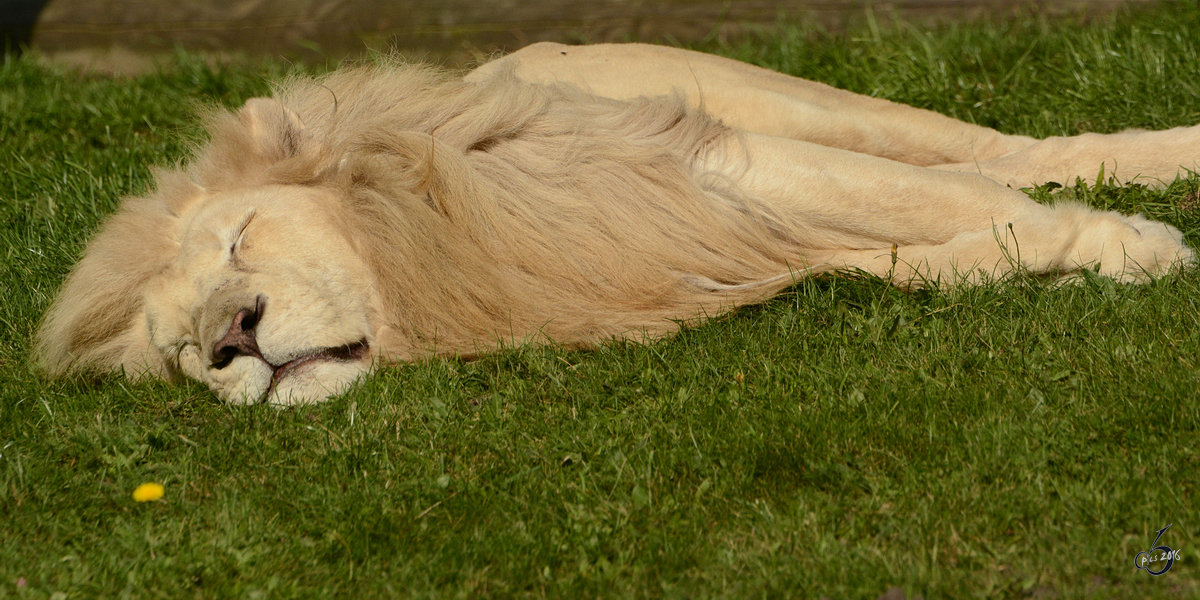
(563, 195)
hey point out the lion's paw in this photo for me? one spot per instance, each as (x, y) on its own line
(1131, 248)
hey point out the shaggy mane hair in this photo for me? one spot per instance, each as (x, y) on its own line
(489, 212)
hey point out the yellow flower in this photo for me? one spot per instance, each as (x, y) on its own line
(148, 492)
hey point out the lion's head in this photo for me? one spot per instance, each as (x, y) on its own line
(235, 272)
(266, 299)
(248, 285)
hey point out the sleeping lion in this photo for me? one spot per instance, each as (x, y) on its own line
(565, 195)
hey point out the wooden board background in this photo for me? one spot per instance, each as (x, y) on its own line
(459, 29)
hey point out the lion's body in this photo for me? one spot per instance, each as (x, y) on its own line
(391, 213)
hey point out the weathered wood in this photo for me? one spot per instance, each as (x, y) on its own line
(463, 27)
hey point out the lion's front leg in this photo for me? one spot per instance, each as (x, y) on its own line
(913, 224)
(1149, 157)
(1073, 238)
(836, 199)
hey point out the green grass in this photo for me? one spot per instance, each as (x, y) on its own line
(845, 438)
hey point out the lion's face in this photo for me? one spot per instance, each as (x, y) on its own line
(266, 300)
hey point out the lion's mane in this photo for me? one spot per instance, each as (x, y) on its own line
(489, 212)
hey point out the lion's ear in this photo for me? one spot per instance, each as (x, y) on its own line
(247, 145)
(276, 130)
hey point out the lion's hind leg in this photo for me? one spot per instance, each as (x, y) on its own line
(754, 99)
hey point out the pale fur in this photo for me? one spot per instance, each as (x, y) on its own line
(396, 212)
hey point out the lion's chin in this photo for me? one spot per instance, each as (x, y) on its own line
(314, 377)
(311, 380)
(308, 379)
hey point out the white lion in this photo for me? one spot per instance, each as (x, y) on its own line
(561, 194)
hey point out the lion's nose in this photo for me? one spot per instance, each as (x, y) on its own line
(240, 339)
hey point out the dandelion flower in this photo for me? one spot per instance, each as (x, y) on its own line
(148, 492)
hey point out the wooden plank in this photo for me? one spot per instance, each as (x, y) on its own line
(443, 27)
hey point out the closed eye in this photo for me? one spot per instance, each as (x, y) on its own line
(236, 245)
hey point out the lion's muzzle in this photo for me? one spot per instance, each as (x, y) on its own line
(240, 340)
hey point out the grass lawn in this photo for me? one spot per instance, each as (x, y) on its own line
(846, 438)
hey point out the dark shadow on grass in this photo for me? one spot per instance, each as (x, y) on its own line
(17, 20)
